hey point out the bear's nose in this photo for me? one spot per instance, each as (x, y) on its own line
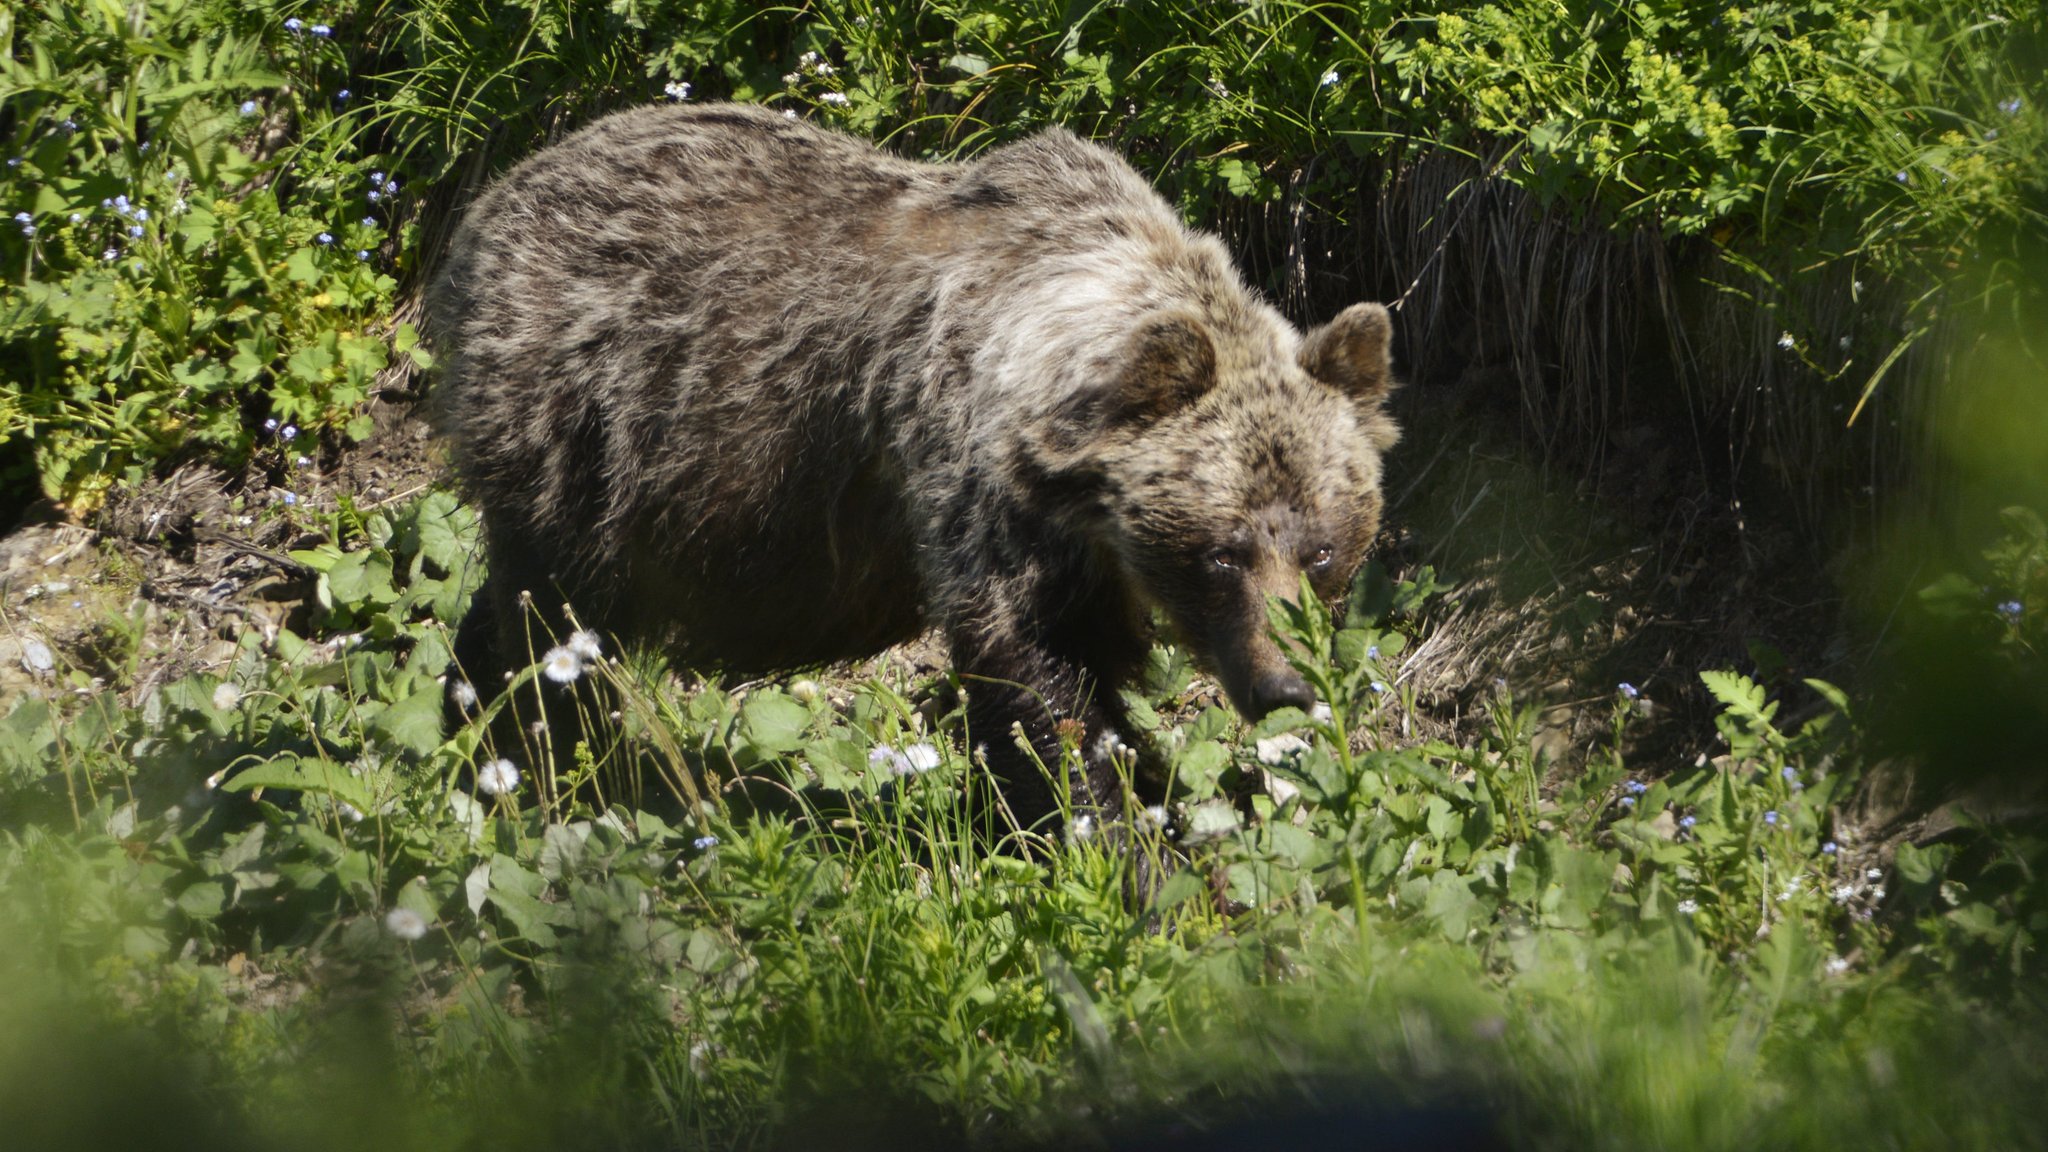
(1277, 690)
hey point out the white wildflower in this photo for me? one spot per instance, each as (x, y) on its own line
(1277, 750)
(586, 645)
(349, 812)
(1321, 713)
(824, 69)
(1787, 342)
(805, 691)
(226, 696)
(836, 99)
(791, 78)
(561, 664)
(1082, 829)
(1843, 893)
(676, 90)
(1688, 907)
(1330, 78)
(497, 778)
(1836, 965)
(405, 924)
(1873, 874)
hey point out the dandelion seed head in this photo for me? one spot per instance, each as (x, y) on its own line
(405, 924)
(917, 760)
(561, 664)
(586, 645)
(498, 778)
(464, 694)
(226, 696)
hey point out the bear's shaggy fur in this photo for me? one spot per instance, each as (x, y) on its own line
(765, 396)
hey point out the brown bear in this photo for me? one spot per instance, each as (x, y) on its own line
(764, 396)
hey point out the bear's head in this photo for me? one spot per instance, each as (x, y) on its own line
(1226, 468)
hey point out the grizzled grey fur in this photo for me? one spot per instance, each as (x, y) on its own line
(764, 396)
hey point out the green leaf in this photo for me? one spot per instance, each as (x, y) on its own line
(414, 723)
(773, 722)
(302, 775)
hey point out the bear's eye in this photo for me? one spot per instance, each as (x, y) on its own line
(1322, 557)
(1226, 559)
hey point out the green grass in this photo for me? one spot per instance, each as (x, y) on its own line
(260, 897)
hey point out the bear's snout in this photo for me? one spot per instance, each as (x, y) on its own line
(1281, 689)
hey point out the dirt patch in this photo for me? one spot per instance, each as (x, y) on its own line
(171, 574)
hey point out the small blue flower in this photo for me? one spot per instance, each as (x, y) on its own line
(342, 96)
(2010, 107)
(325, 238)
(14, 161)
(369, 221)
(135, 230)
(1378, 687)
(376, 177)
(121, 205)
(1900, 176)
(1829, 848)
(1789, 773)
(68, 126)
(322, 30)
(1688, 821)
(270, 425)
(362, 254)
(289, 432)
(111, 255)
(1637, 787)
(1372, 651)
(375, 195)
(291, 498)
(248, 107)
(294, 24)
(1627, 689)
(1628, 801)
(704, 843)
(142, 213)
(391, 187)
(28, 229)
(22, 217)
(1771, 818)
(2011, 609)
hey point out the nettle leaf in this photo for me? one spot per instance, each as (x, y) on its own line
(1200, 765)
(772, 722)
(1451, 904)
(413, 723)
(360, 578)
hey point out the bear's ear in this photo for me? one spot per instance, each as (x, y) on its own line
(1172, 364)
(1351, 353)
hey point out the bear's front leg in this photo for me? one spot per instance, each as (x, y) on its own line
(1019, 682)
